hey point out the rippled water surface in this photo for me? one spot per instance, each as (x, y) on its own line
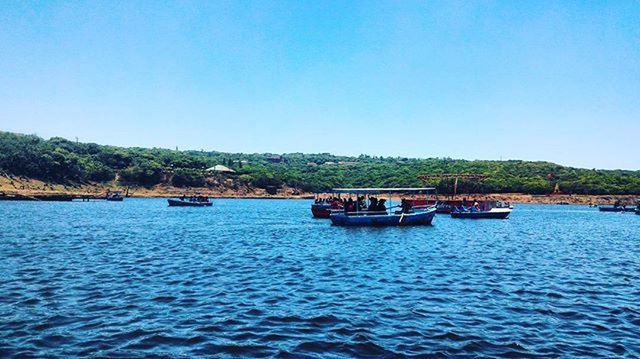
(262, 278)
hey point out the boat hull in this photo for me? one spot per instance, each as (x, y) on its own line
(420, 218)
(616, 209)
(493, 214)
(179, 203)
(320, 211)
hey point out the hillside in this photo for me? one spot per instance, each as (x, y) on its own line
(58, 161)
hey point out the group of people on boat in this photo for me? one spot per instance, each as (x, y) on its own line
(473, 208)
(375, 205)
(361, 205)
(194, 198)
(619, 204)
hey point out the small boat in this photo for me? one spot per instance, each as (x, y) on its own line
(324, 204)
(493, 213)
(407, 216)
(114, 196)
(321, 210)
(616, 209)
(192, 202)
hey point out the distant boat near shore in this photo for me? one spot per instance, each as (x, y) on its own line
(493, 213)
(616, 209)
(195, 201)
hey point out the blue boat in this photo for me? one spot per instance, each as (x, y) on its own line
(423, 217)
(616, 209)
(404, 216)
(192, 202)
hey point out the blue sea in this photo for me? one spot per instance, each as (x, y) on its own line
(261, 278)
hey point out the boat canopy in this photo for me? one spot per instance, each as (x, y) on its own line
(383, 190)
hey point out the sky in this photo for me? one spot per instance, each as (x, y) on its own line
(533, 80)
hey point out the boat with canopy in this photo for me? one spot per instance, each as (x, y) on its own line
(357, 213)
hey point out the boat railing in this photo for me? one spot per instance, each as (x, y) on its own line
(363, 213)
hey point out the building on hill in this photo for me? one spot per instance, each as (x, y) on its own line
(275, 159)
(220, 169)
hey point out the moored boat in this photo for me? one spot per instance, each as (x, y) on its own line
(191, 202)
(616, 209)
(114, 196)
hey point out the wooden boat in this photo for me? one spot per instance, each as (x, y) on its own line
(114, 197)
(321, 210)
(616, 209)
(493, 213)
(188, 203)
(385, 218)
(421, 217)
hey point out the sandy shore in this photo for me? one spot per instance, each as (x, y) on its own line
(30, 187)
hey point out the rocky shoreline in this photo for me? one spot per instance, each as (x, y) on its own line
(29, 189)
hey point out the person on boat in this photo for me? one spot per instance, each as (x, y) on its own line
(405, 205)
(373, 203)
(381, 206)
(348, 206)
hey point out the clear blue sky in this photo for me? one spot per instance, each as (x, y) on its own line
(533, 80)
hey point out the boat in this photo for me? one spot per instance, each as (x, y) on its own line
(321, 210)
(488, 210)
(114, 196)
(493, 213)
(406, 216)
(446, 206)
(191, 202)
(324, 205)
(616, 209)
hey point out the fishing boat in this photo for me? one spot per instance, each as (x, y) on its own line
(195, 201)
(114, 196)
(616, 209)
(324, 204)
(405, 215)
(321, 210)
(488, 210)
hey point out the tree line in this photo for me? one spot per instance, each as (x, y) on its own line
(62, 161)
